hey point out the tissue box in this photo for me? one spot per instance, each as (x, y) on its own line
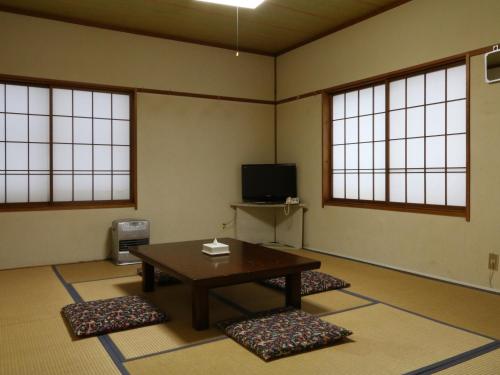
(215, 248)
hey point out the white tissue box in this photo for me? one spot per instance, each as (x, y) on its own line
(215, 248)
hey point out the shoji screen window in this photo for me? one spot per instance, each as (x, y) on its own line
(428, 138)
(358, 144)
(400, 143)
(64, 147)
(91, 146)
(24, 144)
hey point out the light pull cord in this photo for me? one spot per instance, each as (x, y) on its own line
(237, 31)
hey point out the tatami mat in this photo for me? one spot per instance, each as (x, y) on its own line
(89, 271)
(487, 364)
(33, 336)
(174, 299)
(385, 341)
(30, 294)
(432, 298)
(254, 297)
(45, 347)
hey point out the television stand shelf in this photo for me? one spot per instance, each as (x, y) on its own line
(266, 223)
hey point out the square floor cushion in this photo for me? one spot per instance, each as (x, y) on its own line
(109, 315)
(282, 332)
(312, 282)
(161, 278)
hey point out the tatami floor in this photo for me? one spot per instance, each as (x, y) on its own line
(401, 323)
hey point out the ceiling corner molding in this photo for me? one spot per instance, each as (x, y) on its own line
(138, 31)
(81, 22)
(343, 26)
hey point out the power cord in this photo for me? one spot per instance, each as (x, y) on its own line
(286, 209)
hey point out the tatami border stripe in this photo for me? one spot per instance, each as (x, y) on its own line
(457, 359)
(103, 279)
(359, 295)
(120, 360)
(224, 337)
(112, 350)
(463, 357)
(70, 289)
(187, 346)
(445, 363)
(401, 308)
(328, 313)
(440, 322)
(418, 314)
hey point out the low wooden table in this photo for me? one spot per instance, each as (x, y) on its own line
(247, 262)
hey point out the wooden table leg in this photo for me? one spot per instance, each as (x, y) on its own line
(293, 287)
(200, 308)
(148, 277)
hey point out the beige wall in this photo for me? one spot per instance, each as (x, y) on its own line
(189, 155)
(49, 49)
(189, 150)
(416, 32)
(424, 30)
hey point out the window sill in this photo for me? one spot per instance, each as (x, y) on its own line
(401, 207)
(11, 207)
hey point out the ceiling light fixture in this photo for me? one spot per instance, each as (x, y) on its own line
(251, 4)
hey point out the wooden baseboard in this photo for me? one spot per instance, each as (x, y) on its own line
(404, 270)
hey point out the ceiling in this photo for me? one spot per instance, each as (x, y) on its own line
(274, 27)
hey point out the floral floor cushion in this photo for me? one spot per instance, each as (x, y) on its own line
(282, 332)
(161, 278)
(312, 282)
(109, 315)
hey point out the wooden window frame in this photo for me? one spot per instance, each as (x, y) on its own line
(327, 142)
(92, 204)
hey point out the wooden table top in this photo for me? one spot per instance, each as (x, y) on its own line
(246, 262)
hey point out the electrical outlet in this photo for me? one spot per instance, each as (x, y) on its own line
(493, 262)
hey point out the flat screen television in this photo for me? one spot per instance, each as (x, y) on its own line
(268, 182)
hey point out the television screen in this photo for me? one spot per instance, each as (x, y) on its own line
(268, 182)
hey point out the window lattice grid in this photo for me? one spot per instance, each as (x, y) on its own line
(425, 145)
(427, 138)
(91, 145)
(358, 144)
(73, 150)
(24, 144)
